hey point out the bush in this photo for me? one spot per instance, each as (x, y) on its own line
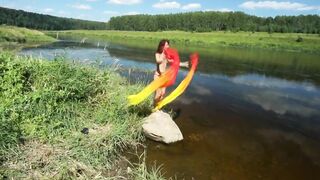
(299, 39)
(44, 98)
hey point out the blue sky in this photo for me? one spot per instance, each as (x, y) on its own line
(102, 10)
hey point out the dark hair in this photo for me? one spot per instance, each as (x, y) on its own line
(161, 45)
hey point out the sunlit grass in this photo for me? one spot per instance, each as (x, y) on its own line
(15, 38)
(263, 40)
(44, 108)
(22, 35)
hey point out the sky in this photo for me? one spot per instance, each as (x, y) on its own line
(103, 10)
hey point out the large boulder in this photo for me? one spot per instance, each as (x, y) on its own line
(159, 126)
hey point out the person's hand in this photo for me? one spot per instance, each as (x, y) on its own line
(184, 64)
(170, 60)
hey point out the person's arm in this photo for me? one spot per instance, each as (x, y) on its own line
(158, 59)
(184, 64)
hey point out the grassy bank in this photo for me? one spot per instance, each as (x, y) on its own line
(262, 40)
(16, 36)
(45, 108)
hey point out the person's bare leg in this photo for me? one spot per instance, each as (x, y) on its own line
(159, 95)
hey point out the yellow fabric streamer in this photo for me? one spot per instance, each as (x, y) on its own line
(155, 84)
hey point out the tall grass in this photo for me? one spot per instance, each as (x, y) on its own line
(45, 107)
(22, 35)
(15, 38)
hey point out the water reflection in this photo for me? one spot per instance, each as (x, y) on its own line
(281, 96)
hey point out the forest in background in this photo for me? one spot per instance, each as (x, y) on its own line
(45, 22)
(191, 21)
(217, 21)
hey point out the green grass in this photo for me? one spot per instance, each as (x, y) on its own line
(44, 105)
(261, 40)
(12, 37)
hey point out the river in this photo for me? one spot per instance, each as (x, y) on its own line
(248, 114)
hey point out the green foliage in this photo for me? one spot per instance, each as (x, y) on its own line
(299, 39)
(22, 35)
(140, 172)
(208, 40)
(44, 105)
(44, 22)
(216, 21)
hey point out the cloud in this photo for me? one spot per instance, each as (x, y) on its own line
(189, 100)
(283, 103)
(81, 6)
(259, 81)
(132, 13)
(164, 4)
(125, 2)
(48, 10)
(277, 5)
(220, 10)
(279, 95)
(191, 6)
(224, 10)
(202, 90)
(91, 0)
(167, 5)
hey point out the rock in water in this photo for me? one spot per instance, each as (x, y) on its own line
(159, 126)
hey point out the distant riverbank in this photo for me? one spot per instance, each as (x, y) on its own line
(273, 41)
(16, 36)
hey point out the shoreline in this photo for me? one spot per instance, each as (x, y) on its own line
(290, 42)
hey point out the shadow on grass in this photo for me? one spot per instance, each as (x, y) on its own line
(142, 110)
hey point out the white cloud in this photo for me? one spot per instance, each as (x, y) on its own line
(125, 2)
(277, 5)
(191, 6)
(224, 10)
(48, 10)
(167, 5)
(91, 0)
(283, 102)
(132, 13)
(81, 6)
(220, 10)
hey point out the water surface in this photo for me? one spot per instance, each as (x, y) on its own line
(248, 114)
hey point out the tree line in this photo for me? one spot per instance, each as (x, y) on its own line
(216, 21)
(45, 22)
(191, 21)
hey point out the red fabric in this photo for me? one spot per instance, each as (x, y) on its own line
(173, 56)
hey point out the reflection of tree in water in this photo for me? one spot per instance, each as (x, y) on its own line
(229, 61)
(233, 61)
(142, 55)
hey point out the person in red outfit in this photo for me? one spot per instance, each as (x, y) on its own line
(162, 60)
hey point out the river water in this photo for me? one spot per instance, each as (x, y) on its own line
(248, 114)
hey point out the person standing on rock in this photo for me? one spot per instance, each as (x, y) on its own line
(162, 61)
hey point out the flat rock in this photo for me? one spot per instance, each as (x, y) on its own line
(159, 126)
